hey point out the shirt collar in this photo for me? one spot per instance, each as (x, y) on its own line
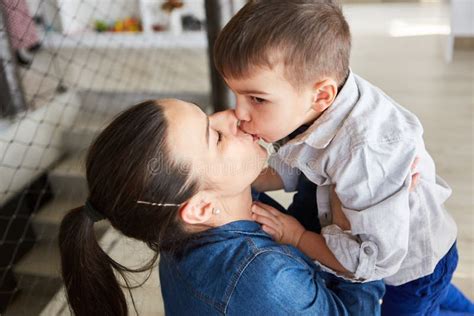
(323, 130)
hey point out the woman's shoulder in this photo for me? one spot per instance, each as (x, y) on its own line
(225, 264)
(263, 250)
(275, 278)
(271, 260)
(269, 263)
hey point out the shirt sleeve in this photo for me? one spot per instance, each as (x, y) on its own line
(280, 284)
(373, 186)
(288, 174)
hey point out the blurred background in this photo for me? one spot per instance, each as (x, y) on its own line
(68, 66)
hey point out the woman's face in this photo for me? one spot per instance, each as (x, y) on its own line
(222, 157)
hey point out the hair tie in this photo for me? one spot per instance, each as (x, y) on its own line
(92, 213)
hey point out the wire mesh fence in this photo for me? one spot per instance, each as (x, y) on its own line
(67, 67)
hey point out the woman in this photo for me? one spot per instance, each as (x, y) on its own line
(166, 174)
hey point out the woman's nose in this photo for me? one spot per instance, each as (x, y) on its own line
(225, 121)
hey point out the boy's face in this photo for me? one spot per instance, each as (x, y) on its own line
(268, 106)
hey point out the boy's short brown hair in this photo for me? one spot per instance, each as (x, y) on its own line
(310, 37)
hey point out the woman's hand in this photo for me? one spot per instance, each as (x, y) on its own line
(283, 228)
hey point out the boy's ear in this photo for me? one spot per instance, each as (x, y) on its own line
(324, 93)
(197, 210)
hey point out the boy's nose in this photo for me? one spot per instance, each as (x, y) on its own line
(242, 113)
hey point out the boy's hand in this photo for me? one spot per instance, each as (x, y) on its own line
(283, 228)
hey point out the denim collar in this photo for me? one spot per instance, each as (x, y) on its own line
(242, 227)
(325, 128)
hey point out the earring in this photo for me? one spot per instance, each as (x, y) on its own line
(216, 211)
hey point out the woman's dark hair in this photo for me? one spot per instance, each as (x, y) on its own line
(129, 161)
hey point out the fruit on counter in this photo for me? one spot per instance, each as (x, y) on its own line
(101, 26)
(130, 24)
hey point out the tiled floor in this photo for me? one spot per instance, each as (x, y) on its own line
(399, 47)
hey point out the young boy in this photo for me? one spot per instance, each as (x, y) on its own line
(287, 61)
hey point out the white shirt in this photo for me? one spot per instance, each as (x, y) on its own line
(365, 143)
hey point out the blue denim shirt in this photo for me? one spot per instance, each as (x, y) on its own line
(237, 269)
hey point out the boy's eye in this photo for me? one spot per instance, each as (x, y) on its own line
(219, 136)
(257, 100)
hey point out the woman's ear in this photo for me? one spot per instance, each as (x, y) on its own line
(324, 93)
(197, 210)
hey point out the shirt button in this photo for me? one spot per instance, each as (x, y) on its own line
(368, 251)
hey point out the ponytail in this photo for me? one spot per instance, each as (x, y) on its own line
(87, 271)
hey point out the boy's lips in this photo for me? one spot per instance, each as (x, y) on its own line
(255, 137)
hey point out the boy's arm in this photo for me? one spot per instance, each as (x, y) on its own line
(287, 176)
(338, 216)
(268, 180)
(314, 246)
(373, 185)
(286, 229)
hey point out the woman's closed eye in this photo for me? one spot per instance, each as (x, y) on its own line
(219, 137)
